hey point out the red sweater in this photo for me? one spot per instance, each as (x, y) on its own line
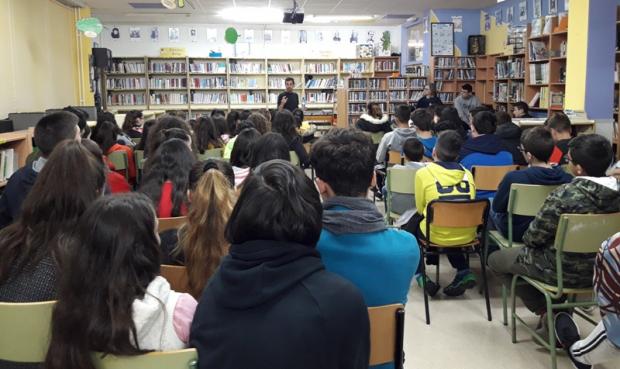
(164, 210)
(130, 159)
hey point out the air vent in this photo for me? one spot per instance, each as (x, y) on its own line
(147, 5)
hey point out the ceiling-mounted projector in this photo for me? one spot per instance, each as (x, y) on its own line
(294, 15)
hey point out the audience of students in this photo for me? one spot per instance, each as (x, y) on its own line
(231, 142)
(166, 178)
(222, 128)
(146, 127)
(115, 182)
(272, 291)
(536, 147)
(393, 141)
(450, 114)
(49, 131)
(132, 125)
(560, 127)
(374, 120)
(430, 97)
(241, 155)
(157, 133)
(269, 146)
(207, 135)
(510, 135)
(106, 139)
(284, 124)
(590, 192)
(466, 101)
(31, 248)
(112, 299)
(444, 179)
(260, 122)
(423, 123)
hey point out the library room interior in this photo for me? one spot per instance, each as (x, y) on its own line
(292, 184)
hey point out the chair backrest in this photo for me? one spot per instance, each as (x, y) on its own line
(400, 181)
(487, 178)
(136, 140)
(386, 334)
(25, 331)
(584, 233)
(294, 158)
(376, 137)
(120, 162)
(394, 157)
(527, 199)
(166, 224)
(176, 275)
(181, 359)
(213, 153)
(457, 213)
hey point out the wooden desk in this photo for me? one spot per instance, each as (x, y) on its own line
(579, 125)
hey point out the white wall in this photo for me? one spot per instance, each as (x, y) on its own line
(328, 49)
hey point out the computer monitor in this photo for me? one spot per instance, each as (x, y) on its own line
(23, 121)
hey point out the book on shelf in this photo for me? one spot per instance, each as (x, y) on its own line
(515, 91)
(357, 96)
(245, 82)
(167, 67)
(282, 68)
(538, 51)
(466, 74)
(537, 27)
(126, 98)
(398, 95)
(377, 83)
(501, 92)
(556, 99)
(417, 83)
(8, 163)
(169, 98)
(446, 97)
(168, 82)
(416, 95)
(116, 83)
(206, 98)
(562, 22)
(397, 83)
(127, 67)
(544, 98)
(444, 74)
(533, 103)
(387, 66)
(245, 67)
(378, 95)
(358, 83)
(320, 68)
(251, 97)
(207, 67)
(539, 73)
(357, 107)
(321, 83)
(319, 97)
(548, 28)
(355, 67)
(444, 62)
(208, 82)
(466, 62)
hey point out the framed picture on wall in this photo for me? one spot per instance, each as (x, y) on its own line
(442, 39)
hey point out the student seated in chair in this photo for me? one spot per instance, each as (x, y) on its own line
(355, 238)
(423, 122)
(374, 120)
(484, 148)
(590, 192)
(444, 179)
(560, 127)
(536, 146)
(393, 141)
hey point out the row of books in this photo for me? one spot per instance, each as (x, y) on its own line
(246, 68)
(388, 66)
(207, 67)
(539, 73)
(208, 82)
(127, 67)
(444, 75)
(168, 82)
(516, 91)
(168, 98)
(444, 62)
(446, 97)
(257, 97)
(357, 108)
(358, 83)
(236, 82)
(416, 95)
(542, 26)
(322, 83)
(125, 83)
(320, 68)
(283, 68)
(541, 98)
(8, 163)
(398, 95)
(466, 74)
(126, 99)
(209, 98)
(355, 67)
(466, 62)
(357, 96)
(167, 67)
(501, 92)
(377, 84)
(514, 68)
(378, 95)
(319, 97)
(538, 51)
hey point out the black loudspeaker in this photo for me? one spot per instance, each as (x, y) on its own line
(294, 18)
(102, 57)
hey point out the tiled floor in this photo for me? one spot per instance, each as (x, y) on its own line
(461, 337)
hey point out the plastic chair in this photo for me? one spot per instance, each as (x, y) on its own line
(176, 275)
(166, 224)
(525, 200)
(488, 178)
(387, 329)
(120, 162)
(213, 153)
(136, 140)
(181, 359)
(139, 160)
(377, 137)
(295, 159)
(456, 214)
(399, 181)
(26, 331)
(577, 234)
(395, 157)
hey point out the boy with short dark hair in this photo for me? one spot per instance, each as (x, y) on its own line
(560, 127)
(445, 179)
(49, 131)
(521, 110)
(590, 192)
(423, 121)
(393, 141)
(536, 146)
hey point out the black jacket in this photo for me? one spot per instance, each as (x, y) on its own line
(15, 193)
(510, 134)
(272, 305)
(297, 146)
(425, 102)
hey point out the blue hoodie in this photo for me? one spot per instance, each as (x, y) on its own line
(531, 175)
(485, 150)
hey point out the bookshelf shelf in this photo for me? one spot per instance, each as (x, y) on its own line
(538, 38)
(15, 147)
(538, 61)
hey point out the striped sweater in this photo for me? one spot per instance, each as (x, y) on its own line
(607, 286)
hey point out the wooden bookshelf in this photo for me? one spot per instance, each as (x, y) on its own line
(387, 66)
(386, 91)
(450, 73)
(195, 83)
(509, 81)
(21, 143)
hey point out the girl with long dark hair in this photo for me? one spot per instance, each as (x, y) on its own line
(241, 155)
(106, 139)
(30, 248)
(207, 135)
(132, 125)
(284, 124)
(166, 177)
(112, 299)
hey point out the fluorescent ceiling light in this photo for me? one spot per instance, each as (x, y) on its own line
(250, 14)
(339, 18)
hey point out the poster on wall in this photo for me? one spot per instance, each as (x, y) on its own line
(173, 34)
(134, 34)
(498, 17)
(425, 24)
(487, 21)
(537, 9)
(268, 36)
(286, 37)
(336, 37)
(212, 35)
(510, 13)
(370, 37)
(193, 35)
(354, 37)
(154, 34)
(523, 10)
(115, 33)
(458, 23)
(248, 35)
(553, 6)
(303, 36)
(442, 39)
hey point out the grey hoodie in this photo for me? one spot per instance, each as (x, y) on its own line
(393, 141)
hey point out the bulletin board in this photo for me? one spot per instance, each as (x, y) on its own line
(442, 39)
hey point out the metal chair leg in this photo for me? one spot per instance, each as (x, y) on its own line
(505, 303)
(513, 298)
(486, 288)
(424, 278)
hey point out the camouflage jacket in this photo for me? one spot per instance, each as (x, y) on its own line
(581, 196)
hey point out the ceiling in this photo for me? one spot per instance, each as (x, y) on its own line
(391, 12)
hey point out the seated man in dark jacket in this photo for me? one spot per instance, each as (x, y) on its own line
(49, 131)
(510, 134)
(271, 304)
(374, 120)
(537, 146)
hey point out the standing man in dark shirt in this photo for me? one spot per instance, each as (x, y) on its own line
(288, 99)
